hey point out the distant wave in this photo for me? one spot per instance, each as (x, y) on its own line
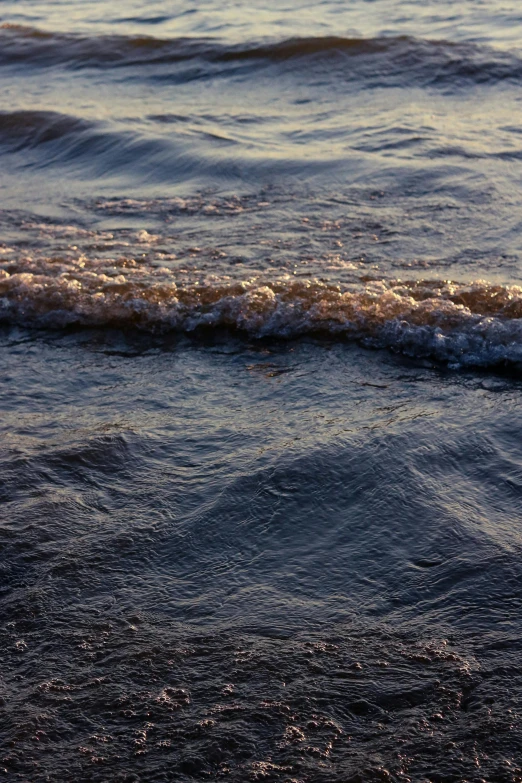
(476, 325)
(381, 59)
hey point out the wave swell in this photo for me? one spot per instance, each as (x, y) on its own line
(382, 59)
(26, 129)
(44, 139)
(474, 325)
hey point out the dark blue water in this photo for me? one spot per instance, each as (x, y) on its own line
(261, 343)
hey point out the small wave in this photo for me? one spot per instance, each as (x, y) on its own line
(45, 139)
(30, 46)
(101, 149)
(475, 325)
(382, 60)
(22, 129)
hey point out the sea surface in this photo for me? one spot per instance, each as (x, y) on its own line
(261, 374)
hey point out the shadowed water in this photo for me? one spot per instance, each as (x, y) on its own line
(256, 562)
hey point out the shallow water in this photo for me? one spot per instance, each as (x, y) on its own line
(261, 342)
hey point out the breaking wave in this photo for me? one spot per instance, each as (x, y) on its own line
(463, 325)
(383, 60)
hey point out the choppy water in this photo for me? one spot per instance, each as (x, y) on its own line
(261, 341)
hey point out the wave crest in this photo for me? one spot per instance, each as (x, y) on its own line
(475, 325)
(381, 59)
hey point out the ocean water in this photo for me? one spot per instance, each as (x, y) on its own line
(261, 353)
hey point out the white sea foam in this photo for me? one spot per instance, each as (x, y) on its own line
(478, 324)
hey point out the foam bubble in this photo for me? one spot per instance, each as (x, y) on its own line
(478, 324)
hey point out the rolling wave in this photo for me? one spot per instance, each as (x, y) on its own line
(48, 138)
(95, 149)
(475, 325)
(21, 130)
(383, 59)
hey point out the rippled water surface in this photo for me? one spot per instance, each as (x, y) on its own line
(261, 342)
